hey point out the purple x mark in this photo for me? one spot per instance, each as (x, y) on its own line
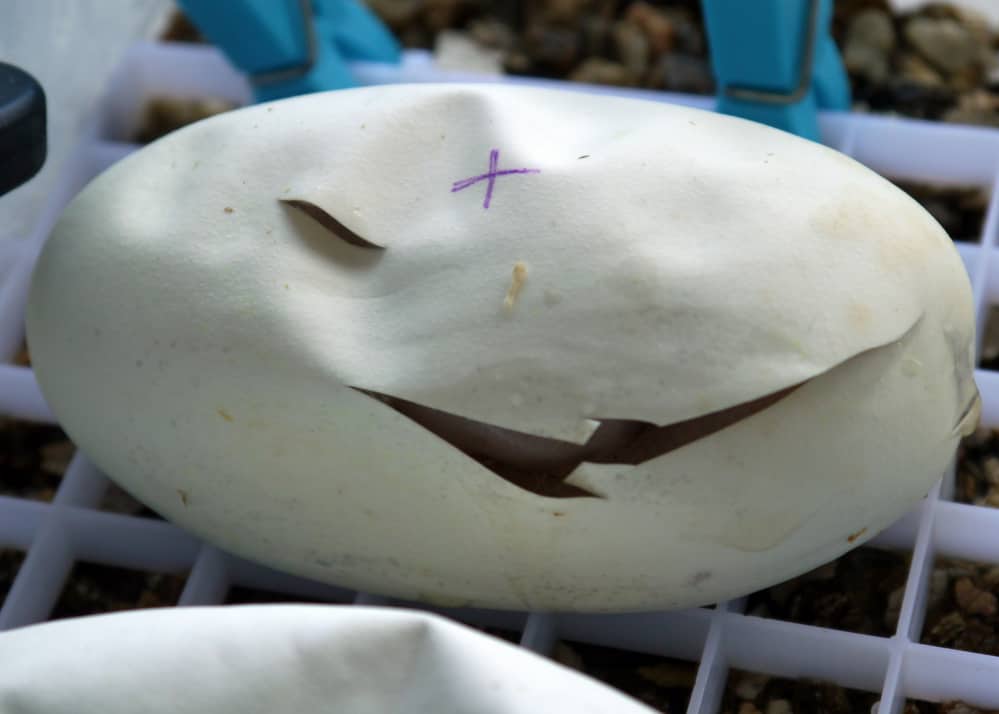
(490, 177)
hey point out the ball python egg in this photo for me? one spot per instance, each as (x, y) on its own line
(258, 659)
(508, 347)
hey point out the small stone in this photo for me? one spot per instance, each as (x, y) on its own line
(982, 437)
(164, 114)
(517, 63)
(979, 107)
(938, 588)
(870, 38)
(947, 630)
(959, 708)
(682, 73)
(915, 68)
(992, 498)
(688, 32)
(416, 36)
(457, 51)
(750, 685)
(983, 434)
(568, 657)
(979, 635)
(596, 70)
(826, 571)
(893, 608)
(443, 14)
(990, 468)
(867, 62)
(179, 28)
(959, 569)
(668, 674)
(562, 12)
(990, 578)
(748, 708)
(56, 457)
(944, 42)
(631, 47)
(781, 593)
(117, 500)
(658, 28)
(779, 706)
(972, 599)
(872, 27)
(492, 33)
(911, 98)
(552, 50)
(596, 33)
(397, 14)
(981, 30)
(23, 357)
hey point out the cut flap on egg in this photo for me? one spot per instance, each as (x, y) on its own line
(330, 223)
(541, 465)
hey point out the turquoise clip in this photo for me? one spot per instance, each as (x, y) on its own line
(290, 47)
(775, 61)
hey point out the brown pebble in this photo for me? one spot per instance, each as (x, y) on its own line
(959, 708)
(748, 708)
(945, 632)
(990, 578)
(562, 12)
(654, 23)
(894, 608)
(567, 656)
(551, 49)
(23, 357)
(750, 685)
(597, 70)
(397, 14)
(991, 469)
(631, 46)
(163, 114)
(938, 588)
(56, 456)
(668, 674)
(779, 706)
(972, 599)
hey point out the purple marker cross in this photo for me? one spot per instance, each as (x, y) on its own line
(494, 171)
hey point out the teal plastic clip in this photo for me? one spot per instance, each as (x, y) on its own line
(290, 47)
(775, 61)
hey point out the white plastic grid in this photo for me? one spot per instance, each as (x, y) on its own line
(71, 529)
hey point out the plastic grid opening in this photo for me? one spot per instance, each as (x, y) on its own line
(832, 635)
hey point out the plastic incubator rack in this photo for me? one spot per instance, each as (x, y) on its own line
(54, 536)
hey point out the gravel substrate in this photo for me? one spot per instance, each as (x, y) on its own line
(859, 592)
(33, 458)
(660, 682)
(91, 589)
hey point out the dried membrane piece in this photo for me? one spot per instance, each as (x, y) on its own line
(727, 356)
